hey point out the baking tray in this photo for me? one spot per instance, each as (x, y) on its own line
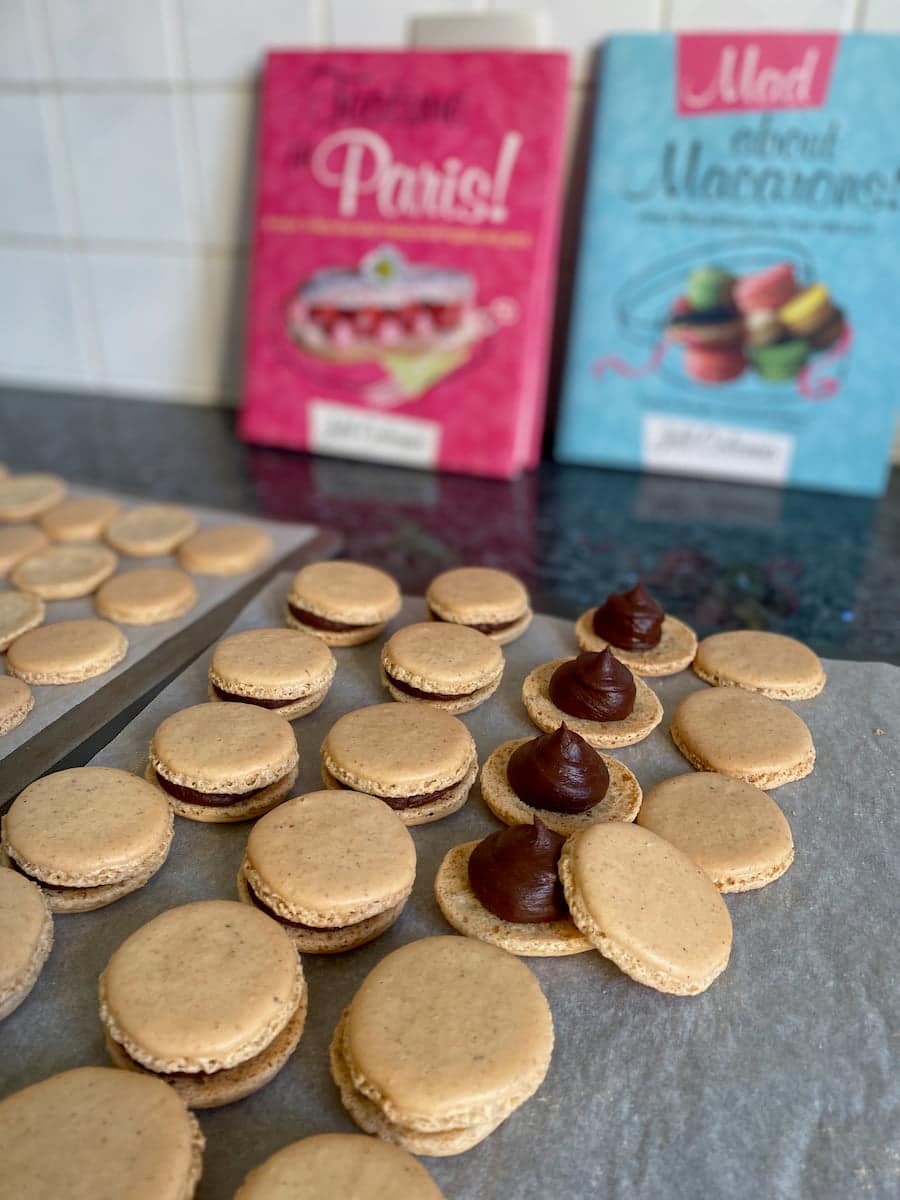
(780, 1081)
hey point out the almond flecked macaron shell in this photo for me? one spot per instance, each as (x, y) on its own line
(16, 702)
(26, 938)
(150, 530)
(224, 747)
(646, 906)
(734, 831)
(769, 663)
(66, 651)
(17, 542)
(640, 722)
(95, 1133)
(202, 987)
(477, 596)
(398, 749)
(65, 572)
(744, 735)
(79, 519)
(271, 663)
(439, 657)
(25, 496)
(339, 1166)
(673, 652)
(19, 612)
(225, 550)
(448, 1031)
(330, 858)
(349, 592)
(146, 596)
(87, 826)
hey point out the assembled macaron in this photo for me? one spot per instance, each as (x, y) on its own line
(491, 601)
(419, 760)
(225, 550)
(16, 702)
(87, 835)
(281, 669)
(642, 635)
(146, 596)
(444, 666)
(334, 868)
(769, 663)
(25, 496)
(151, 530)
(67, 651)
(65, 572)
(80, 518)
(19, 612)
(209, 996)
(343, 603)
(26, 939)
(223, 762)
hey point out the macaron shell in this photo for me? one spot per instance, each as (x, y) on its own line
(25, 496)
(734, 831)
(357, 636)
(438, 657)
(765, 289)
(151, 530)
(146, 596)
(673, 652)
(19, 612)
(333, 1165)
(260, 801)
(807, 310)
(26, 939)
(348, 592)
(16, 702)
(621, 802)
(714, 364)
(477, 596)
(65, 572)
(464, 911)
(272, 664)
(456, 706)
(66, 651)
(202, 987)
(744, 735)
(640, 723)
(769, 663)
(79, 519)
(225, 550)
(87, 1132)
(646, 906)
(17, 542)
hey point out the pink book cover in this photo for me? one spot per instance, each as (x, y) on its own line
(404, 255)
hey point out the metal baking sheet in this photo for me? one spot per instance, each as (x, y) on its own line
(64, 715)
(781, 1081)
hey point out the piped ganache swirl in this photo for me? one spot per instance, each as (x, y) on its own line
(595, 687)
(631, 620)
(558, 771)
(514, 874)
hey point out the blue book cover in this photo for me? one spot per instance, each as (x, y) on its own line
(736, 301)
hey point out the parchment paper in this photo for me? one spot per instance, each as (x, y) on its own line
(65, 714)
(781, 1081)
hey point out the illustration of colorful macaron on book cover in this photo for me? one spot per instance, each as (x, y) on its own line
(739, 260)
(404, 255)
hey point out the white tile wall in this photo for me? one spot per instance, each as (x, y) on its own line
(24, 54)
(383, 23)
(39, 337)
(27, 201)
(102, 40)
(223, 122)
(225, 39)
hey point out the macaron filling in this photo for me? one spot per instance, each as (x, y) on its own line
(276, 916)
(631, 620)
(315, 621)
(594, 687)
(261, 701)
(513, 873)
(399, 803)
(558, 772)
(54, 888)
(420, 694)
(482, 626)
(189, 795)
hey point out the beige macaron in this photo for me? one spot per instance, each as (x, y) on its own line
(447, 666)
(673, 652)
(646, 906)
(151, 530)
(26, 939)
(621, 802)
(329, 1166)
(210, 996)
(225, 550)
(734, 831)
(343, 603)
(444, 1039)
(640, 722)
(281, 669)
(146, 596)
(335, 868)
(80, 518)
(223, 762)
(65, 572)
(419, 760)
(16, 702)
(491, 601)
(25, 496)
(67, 651)
(769, 663)
(94, 1134)
(88, 835)
(744, 735)
(19, 612)
(18, 542)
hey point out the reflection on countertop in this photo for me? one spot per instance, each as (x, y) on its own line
(823, 568)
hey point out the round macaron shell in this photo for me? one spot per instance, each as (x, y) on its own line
(477, 596)
(25, 496)
(16, 702)
(346, 592)
(272, 664)
(151, 530)
(714, 364)
(640, 722)
(19, 612)
(769, 663)
(443, 658)
(770, 288)
(225, 550)
(26, 938)
(146, 596)
(66, 651)
(65, 572)
(79, 519)
(18, 542)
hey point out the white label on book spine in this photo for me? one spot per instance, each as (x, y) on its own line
(682, 446)
(380, 437)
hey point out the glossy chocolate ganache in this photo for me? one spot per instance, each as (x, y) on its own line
(631, 620)
(558, 771)
(514, 874)
(595, 687)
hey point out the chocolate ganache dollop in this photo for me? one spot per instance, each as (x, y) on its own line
(514, 874)
(558, 771)
(631, 620)
(595, 687)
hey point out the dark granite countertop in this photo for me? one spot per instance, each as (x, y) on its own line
(823, 568)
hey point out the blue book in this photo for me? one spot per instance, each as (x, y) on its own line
(737, 300)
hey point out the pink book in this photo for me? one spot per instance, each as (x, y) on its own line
(404, 254)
